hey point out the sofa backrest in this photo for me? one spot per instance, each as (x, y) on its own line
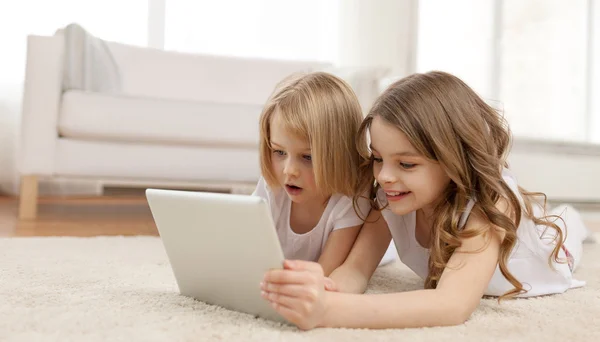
(217, 79)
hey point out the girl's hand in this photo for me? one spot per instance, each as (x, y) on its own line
(297, 292)
(330, 285)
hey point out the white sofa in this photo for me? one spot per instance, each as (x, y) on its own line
(177, 119)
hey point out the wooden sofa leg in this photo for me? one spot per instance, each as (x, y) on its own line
(28, 198)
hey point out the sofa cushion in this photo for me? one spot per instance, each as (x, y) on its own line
(200, 77)
(130, 162)
(103, 117)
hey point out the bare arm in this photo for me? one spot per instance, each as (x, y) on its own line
(337, 247)
(297, 292)
(370, 246)
(457, 295)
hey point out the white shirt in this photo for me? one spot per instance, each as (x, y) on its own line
(528, 261)
(338, 214)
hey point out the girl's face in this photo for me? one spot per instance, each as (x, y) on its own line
(292, 164)
(410, 180)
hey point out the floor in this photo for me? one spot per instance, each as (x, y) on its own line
(73, 216)
(105, 215)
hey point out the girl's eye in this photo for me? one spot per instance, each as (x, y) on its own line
(407, 165)
(377, 160)
(307, 157)
(279, 152)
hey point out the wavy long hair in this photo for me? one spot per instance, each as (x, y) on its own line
(447, 122)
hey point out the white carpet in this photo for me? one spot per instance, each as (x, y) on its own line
(122, 289)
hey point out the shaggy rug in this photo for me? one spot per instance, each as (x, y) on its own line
(122, 289)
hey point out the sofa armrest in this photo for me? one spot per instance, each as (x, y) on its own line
(41, 101)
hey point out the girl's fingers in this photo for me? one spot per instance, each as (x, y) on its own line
(288, 277)
(296, 311)
(330, 285)
(289, 314)
(293, 290)
(292, 303)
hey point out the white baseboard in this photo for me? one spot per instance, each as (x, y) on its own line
(67, 187)
(56, 187)
(563, 171)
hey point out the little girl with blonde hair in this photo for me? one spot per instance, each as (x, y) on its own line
(309, 165)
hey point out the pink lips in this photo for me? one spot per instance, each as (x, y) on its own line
(293, 190)
(397, 196)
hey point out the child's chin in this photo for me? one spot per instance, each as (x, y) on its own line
(399, 209)
(300, 198)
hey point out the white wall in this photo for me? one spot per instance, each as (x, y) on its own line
(457, 37)
(543, 61)
(379, 33)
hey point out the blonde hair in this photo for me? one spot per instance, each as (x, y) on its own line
(447, 122)
(323, 110)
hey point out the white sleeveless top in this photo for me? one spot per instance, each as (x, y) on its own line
(338, 214)
(528, 261)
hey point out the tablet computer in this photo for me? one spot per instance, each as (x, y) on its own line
(219, 246)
